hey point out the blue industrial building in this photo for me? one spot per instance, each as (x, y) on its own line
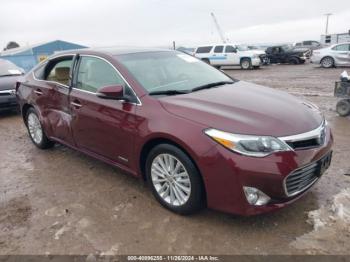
(27, 57)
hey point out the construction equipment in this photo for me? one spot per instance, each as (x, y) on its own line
(221, 33)
(342, 90)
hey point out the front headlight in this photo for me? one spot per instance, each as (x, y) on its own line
(256, 146)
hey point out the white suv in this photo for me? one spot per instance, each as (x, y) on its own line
(228, 55)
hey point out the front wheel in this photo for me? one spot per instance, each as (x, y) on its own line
(294, 61)
(36, 131)
(246, 64)
(343, 107)
(174, 179)
(327, 62)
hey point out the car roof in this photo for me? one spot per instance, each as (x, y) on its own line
(114, 51)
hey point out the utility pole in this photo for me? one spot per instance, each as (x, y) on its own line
(327, 15)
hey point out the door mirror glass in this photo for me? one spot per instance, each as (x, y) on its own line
(115, 92)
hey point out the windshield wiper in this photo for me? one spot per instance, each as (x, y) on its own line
(169, 92)
(215, 84)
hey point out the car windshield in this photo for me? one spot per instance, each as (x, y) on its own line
(243, 48)
(167, 70)
(8, 69)
(287, 47)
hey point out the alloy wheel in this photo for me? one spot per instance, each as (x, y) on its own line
(34, 128)
(327, 62)
(170, 179)
(245, 64)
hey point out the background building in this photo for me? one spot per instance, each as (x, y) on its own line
(27, 57)
(335, 38)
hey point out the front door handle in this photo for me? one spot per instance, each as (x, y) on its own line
(76, 104)
(38, 92)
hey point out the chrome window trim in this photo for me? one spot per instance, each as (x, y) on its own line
(48, 81)
(139, 103)
(316, 133)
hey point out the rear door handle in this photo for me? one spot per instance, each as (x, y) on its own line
(38, 92)
(76, 104)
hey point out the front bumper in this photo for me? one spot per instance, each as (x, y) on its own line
(315, 59)
(226, 173)
(256, 61)
(8, 100)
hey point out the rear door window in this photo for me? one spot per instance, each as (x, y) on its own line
(59, 70)
(204, 49)
(218, 49)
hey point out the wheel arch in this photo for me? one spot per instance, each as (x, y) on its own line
(153, 142)
(245, 57)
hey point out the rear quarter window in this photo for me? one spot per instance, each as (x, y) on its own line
(204, 49)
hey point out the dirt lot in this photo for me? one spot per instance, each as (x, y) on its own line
(62, 202)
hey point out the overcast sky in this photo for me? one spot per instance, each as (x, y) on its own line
(159, 22)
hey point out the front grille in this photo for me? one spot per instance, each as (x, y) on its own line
(304, 144)
(303, 178)
(263, 58)
(311, 139)
(7, 92)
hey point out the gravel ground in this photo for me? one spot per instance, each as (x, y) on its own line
(62, 202)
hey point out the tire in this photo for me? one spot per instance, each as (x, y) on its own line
(206, 60)
(343, 107)
(246, 64)
(327, 62)
(184, 200)
(294, 61)
(36, 131)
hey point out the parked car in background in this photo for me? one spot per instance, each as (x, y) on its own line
(197, 136)
(310, 44)
(260, 52)
(228, 55)
(335, 55)
(9, 74)
(286, 54)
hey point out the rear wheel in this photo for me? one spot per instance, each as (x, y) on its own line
(35, 130)
(174, 179)
(327, 62)
(246, 64)
(343, 107)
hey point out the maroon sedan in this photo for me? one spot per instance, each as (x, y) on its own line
(198, 137)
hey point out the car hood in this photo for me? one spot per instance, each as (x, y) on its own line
(248, 53)
(258, 52)
(8, 82)
(246, 108)
(299, 50)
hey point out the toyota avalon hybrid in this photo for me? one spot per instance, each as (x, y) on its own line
(197, 136)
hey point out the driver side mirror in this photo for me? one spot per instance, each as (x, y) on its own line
(115, 92)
